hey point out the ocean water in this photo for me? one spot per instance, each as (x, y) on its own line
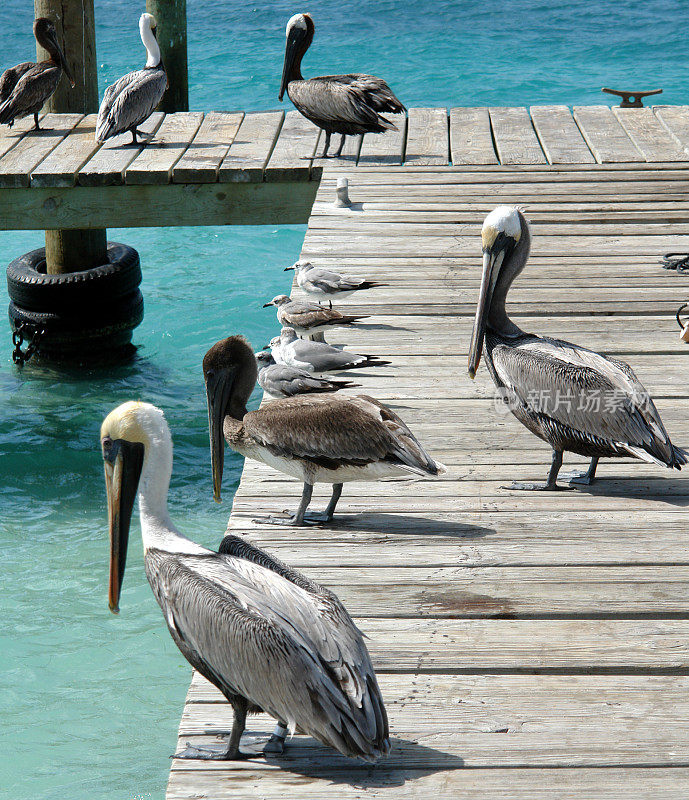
(90, 702)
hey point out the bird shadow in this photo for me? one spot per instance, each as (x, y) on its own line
(380, 326)
(406, 524)
(637, 488)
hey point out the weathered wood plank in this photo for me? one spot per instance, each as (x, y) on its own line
(603, 133)
(10, 136)
(201, 160)
(676, 120)
(251, 148)
(19, 162)
(471, 140)
(62, 166)
(650, 136)
(515, 138)
(427, 137)
(560, 136)
(294, 150)
(385, 149)
(108, 164)
(154, 163)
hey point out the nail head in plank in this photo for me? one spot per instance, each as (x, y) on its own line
(17, 165)
(248, 155)
(471, 140)
(515, 138)
(604, 135)
(650, 136)
(560, 136)
(383, 149)
(428, 141)
(62, 166)
(108, 164)
(201, 161)
(294, 150)
(155, 162)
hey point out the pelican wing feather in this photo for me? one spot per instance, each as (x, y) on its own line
(337, 431)
(9, 78)
(130, 101)
(292, 652)
(597, 398)
(30, 91)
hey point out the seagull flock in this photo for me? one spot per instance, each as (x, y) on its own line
(269, 638)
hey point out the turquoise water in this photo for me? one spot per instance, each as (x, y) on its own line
(90, 702)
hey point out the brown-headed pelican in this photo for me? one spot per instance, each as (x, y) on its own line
(309, 319)
(344, 104)
(281, 380)
(133, 98)
(318, 357)
(326, 284)
(25, 88)
(573, 398)
(314, 438)
(269, 638)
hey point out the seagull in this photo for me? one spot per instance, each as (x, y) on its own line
(327, 285)
(314, 438)
(309, 318)
(317, 357)
(269, 638)
(280, 380)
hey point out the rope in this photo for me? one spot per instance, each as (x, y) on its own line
(676, 261)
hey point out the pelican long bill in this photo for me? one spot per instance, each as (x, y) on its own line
(478, 333)
(218, 390)
(62, 59)
(291, 46)
(123, 462)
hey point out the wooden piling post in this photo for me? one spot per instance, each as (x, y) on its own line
(171, 18)
(73, 250)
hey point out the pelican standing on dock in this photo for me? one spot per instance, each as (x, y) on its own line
(25, 88)
(133, 98)
(309, 319)
(573, 398)
(328, 285)
(269, 638)
(281, 380)
(316, 439)
(344, 104)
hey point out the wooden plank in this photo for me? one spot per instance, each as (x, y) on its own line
(201, 161)
(348, 157)
(471, 140)
(604, 135)
(427, 137)
(62, 166)
(19, 162)
(154, 163)
(515, 138)
(560, 136)
(676, 120)
(294, 150)
(383, 149)
(650, 136)
(251, 148)
(108, 164)
(9, 137)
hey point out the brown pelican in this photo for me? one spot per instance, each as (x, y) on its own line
(309, 318)
(344, 104)
(25, 88)
(269, 638)
(280, 380)
(328, 285)
(314, 438)
(133, 98)
(573, 398)
(318, 357)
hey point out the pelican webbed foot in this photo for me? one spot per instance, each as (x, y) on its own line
(213, 753)
(526, 486)
(276, 744)
(583, 478)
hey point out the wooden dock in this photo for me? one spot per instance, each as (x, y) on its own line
(527, 645)
(262, 168)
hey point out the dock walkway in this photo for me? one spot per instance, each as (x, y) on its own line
(527, 645)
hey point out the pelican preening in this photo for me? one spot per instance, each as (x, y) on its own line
(269, 638)
(309, 318)
(281, 380)
(326, 284)
(573, 398)
(314, 438)
(317, 357)
(25, 88)
(344, 104)
(133, 98)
